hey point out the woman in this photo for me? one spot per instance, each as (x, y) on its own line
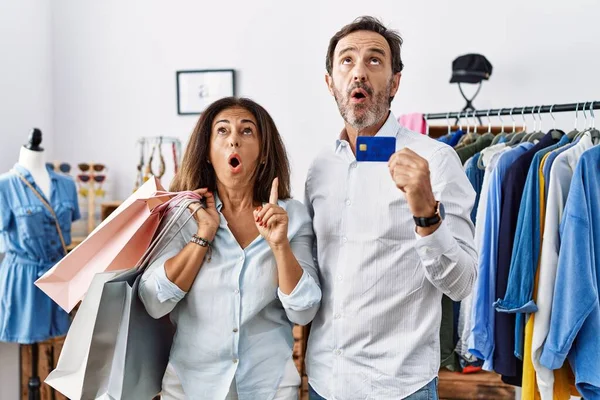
(235, 280)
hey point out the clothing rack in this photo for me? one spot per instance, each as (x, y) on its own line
(569, 107)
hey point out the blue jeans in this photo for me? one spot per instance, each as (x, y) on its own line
(427, 392)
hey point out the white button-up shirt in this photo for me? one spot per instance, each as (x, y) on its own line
(376, 335)
(234, 323)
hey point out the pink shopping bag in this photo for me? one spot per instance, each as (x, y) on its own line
(121, 239)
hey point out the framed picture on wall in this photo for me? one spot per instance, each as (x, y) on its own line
(197, 89)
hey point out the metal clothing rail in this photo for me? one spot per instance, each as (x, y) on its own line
(570, 107)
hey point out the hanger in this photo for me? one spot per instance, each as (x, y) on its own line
(556, 133)
(584, 130)
(539, 133)
(594, 133)
(516, 137)
(501, 134)
(527, 135)
(571, 135)
(487, 134)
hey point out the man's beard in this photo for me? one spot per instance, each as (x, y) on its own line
(361, 116)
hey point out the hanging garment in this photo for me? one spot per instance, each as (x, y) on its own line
(560, 177)
(513, 184)
(529, 390)
(465, 320)
(414, 122)
(475, 175)
(575, 317)
(30, 240)
(482, 341)
(470, 150)
(525, 251)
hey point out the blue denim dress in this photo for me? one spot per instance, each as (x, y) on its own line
(31, 244)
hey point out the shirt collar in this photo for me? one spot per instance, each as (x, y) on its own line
(218, 202)
(27, 175)
(389, 129)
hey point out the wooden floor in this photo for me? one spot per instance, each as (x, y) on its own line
(479, 385)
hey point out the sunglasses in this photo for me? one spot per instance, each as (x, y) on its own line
(84, 167)
(86, 178)
(62, 167)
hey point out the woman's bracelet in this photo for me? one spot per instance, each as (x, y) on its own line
(204, 243)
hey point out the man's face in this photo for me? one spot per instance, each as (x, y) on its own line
(361, 78)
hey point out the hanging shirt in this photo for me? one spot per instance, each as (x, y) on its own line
(32, 245)
(482, 334)
(414, 122)
(575, 318)
(560, 180)
(470, 150)
(529, 390)
(455, 138)
(526, 248)
(513, 184)
(550, 161)
(465, 321)
(373, 336)
(475, 176)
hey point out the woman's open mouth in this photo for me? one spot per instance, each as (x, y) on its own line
(235, 163)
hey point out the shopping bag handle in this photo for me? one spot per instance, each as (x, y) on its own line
(182, 201)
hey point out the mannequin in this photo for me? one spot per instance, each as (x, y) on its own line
(31, 241)
(32, 158)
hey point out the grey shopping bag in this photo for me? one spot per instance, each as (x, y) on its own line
(114, 349)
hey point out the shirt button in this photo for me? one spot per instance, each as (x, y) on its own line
(52, 242)
(235, 330)
(338, 352)
(344, 239)
(235, 360)
(236, 291)
(337, 316)
(343, 144)
(339, 278)
(241, 258)
(348, 202)
(353, 165)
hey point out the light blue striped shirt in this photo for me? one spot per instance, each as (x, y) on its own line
(234, 322)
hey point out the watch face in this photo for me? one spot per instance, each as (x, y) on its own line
(441, 211)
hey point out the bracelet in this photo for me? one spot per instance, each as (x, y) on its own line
(204, 243)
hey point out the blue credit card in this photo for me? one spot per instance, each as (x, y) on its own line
(377, 149)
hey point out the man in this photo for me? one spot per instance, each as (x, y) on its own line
(383, 271)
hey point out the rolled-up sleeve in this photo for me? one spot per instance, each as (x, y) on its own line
(302, 304)
(448, 254)
(158, 294)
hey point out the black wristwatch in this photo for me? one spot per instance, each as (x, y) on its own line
(425, 222)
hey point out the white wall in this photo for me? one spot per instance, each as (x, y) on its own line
(25, 102)
(25, 76)
(115, 63)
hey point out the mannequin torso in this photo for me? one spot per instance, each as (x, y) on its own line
(35, 163)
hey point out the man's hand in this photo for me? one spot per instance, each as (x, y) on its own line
(410, 173)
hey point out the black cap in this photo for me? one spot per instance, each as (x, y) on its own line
(470, 68)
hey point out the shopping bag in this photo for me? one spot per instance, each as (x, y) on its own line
(114, 349)
(120, 240)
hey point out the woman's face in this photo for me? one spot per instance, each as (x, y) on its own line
(234, 147)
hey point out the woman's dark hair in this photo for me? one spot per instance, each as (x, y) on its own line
(196, 172)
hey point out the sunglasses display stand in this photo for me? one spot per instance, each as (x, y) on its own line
(93, 176)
